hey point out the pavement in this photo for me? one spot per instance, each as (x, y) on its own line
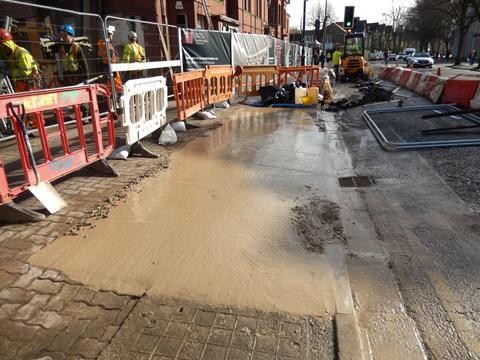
(264, 154)
(249, 239)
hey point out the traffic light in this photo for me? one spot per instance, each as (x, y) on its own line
(348, 19)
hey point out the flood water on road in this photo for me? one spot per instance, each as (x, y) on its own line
(216, 227)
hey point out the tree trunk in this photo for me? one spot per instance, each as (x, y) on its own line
(461, 41)
(462, 31)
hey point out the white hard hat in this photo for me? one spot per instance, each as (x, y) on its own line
(132, 35)
(110, 29)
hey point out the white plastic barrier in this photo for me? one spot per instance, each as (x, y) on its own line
(144, 103)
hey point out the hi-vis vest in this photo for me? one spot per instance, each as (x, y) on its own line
(23, 64)
(69, 60)
(133, 52)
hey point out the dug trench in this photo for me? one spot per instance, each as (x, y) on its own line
(236, 224)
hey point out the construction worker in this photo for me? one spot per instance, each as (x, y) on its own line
(133, 52)
(24, 70)
(337, 60)
(322, 59)
(102, 53)
(73, 62)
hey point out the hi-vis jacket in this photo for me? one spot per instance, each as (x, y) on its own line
(133, 52)
(21, 64)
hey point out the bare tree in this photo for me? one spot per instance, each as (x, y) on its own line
(462, 15)
(317, 12)
(396, 18)
(431, 22)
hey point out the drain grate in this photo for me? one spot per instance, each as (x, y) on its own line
(356, 181)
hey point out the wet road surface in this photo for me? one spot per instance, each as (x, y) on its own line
(217, 227)
(431, 241)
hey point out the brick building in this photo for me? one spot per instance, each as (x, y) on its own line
(246, 16)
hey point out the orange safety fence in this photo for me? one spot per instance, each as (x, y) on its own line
(220, 83)
(62, 151)
(308, 74)
(189, 93)
(254, 77)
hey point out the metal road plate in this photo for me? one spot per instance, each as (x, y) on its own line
(401, 128)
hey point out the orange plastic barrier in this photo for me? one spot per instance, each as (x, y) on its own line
(397, 74)
(425, 84)
(436, 94)
(189, 93)
(413, 80)
(61, 152)
(220, 83)
(254, 77)
(404, 77)
(393, 74)
(387, 73)
(475, 102)
(310, 73)
(459, 92)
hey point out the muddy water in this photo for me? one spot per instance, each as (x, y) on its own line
(216, 227)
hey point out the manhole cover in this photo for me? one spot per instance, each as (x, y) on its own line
(356, 181)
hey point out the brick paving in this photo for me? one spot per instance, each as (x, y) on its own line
(44, 314)
(165, 329)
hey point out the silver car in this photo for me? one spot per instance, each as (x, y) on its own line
(420, 60)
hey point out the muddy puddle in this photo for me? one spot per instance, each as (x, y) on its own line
(214, 228)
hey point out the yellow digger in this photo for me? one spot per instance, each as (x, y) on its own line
(353, 62)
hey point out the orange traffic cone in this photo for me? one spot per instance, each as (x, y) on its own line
(439, 72)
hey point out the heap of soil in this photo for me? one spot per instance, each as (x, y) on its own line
(318, 223)
(371, 93)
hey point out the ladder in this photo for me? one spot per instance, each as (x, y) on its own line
(207, 15)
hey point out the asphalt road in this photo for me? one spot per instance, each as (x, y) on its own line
(422, 207)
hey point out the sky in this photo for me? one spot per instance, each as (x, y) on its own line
(370, 10)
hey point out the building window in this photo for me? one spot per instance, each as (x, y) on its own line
(247, 5)
(182, 20)
(272, 14)
(201, 20)
(259, 8)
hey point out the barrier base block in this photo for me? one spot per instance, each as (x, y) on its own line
(139, 150)
(103, 167)
(13, 214)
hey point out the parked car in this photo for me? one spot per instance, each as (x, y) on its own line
(379, 55)
(420, 60)
(401, 57)
(410, 51)
(392, 57)
(372, 56)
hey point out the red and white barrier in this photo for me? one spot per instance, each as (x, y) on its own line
(405, 75)
(461, 92)
(413, 80)
(397, 74)
(435, 94)
(62, 152)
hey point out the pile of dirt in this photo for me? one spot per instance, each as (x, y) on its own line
(318, 222)
(372, 92)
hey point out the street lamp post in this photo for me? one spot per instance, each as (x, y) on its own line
(325, 29)
(303, 31)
